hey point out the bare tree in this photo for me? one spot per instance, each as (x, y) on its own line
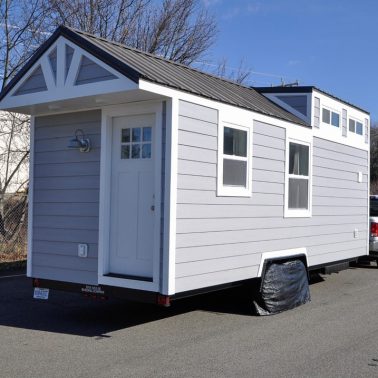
(238, 74)
(20, 34)
(179, 30)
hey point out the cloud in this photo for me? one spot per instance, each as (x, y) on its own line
(253, 7)
(231, 13)
(293, 62)
(210, 3)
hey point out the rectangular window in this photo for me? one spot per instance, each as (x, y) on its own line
(356, 127)
(331, 117)
(235, 159)
(335, 121)
(326, 118)
(298, 181)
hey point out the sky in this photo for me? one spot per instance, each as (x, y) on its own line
(331, 44)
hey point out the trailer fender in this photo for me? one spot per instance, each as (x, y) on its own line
(282, 255)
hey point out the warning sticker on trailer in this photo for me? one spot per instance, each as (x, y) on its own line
(90, 289)
(40, 293)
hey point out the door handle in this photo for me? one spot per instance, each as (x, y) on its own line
(152, 208)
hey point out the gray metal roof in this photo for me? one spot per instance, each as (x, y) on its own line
(137, 64)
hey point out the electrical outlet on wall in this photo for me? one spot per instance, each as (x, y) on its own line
(82, 250)
(356, 233)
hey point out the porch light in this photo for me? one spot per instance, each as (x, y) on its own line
(80, 142)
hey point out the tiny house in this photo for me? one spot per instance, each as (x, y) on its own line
(151, 180)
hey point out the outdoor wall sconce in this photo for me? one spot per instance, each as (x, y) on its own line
(80, 142)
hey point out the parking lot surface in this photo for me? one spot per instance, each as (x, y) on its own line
(335, 335)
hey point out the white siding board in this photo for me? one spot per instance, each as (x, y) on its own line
(215, 265)
(269, 130)
(196, 182)
(187, 226)
(199, 126)
(227, 233)
(197, 140)
(323, 161)
(202, 113)
(197, 168)
(197, 154)
(245, 236)
(215, 278)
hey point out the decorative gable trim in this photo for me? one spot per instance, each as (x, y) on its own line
(65, 71)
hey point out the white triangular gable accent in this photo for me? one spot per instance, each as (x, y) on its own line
(90, 72)
(35, 82)
(65, 71)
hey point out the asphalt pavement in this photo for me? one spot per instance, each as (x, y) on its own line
(214, 335)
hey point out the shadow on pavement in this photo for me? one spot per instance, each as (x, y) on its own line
(74, 314)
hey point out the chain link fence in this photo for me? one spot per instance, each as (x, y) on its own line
(13, 226)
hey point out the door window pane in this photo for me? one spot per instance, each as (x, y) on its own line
(146, 151)
(136, 134)
(298, 159)
(234, 172)
(235, 142)
(125, 137)
(147, 134)
(298, 193)
(135, 151)
(125, 152)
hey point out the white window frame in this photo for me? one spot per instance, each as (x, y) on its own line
(355, 120)
(298, 213)
(330, 116)
(234, 191)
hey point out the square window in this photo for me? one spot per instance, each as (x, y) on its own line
(125, 135)
(326, 116)
(335, 121)
(136, 135)
(235, 142)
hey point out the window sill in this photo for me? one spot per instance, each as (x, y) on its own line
(297, 213)
(225, 191)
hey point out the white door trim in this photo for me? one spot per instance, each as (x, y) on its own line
(105, 186)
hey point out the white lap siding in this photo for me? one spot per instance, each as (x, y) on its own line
(221, 239)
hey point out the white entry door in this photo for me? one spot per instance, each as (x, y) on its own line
(132, 212)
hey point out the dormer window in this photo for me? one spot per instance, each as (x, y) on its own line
(355, 127)
(331, 117)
